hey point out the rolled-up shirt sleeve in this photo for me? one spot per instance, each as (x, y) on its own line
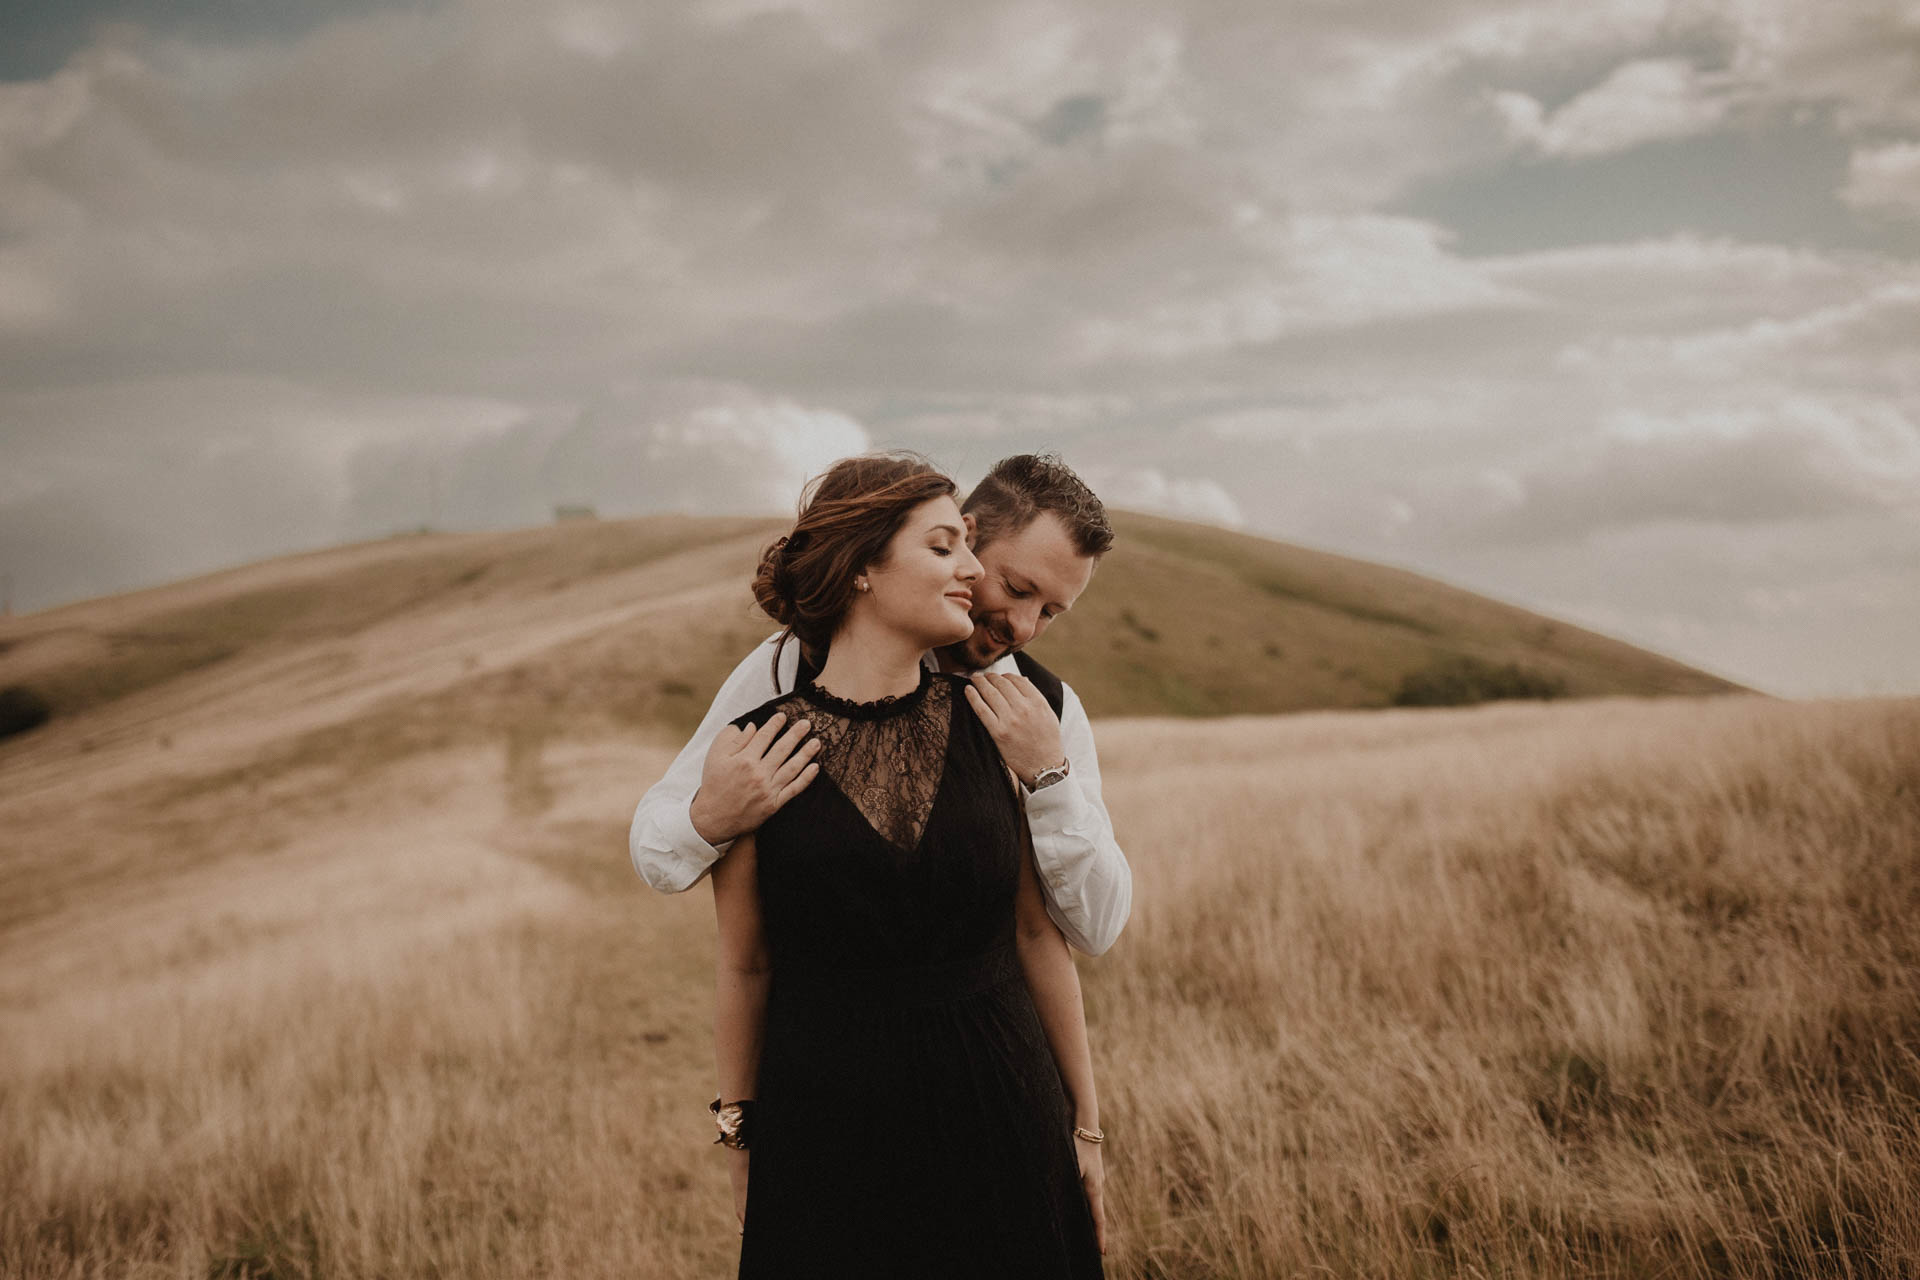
(1089, 887)
(666, 850)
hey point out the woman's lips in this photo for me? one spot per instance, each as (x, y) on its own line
(964, 597)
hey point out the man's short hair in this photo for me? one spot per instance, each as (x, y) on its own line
(1018, 489)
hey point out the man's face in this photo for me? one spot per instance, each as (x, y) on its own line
(1027, 579)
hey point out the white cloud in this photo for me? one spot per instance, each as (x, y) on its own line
(117, 485)
(766, 450)
(702, 448)
(1686, 284)
(598, 32)
(1650, 100)
(1151, 490)
(1304, 274)
(1864, 446)
(1802, 459)
(1885, 179)
(1854, 573)
(1542, 33)
(1870, 333)
(1861, 57)
(1450, 410)
(108, 487)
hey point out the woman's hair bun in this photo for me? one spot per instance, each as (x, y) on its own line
(773, 583)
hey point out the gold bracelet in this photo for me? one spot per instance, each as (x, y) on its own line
(1091, 1135)
(734, 1120)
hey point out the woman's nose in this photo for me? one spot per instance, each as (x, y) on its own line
(967, 568)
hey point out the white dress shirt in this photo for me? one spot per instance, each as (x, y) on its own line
(1084, 877)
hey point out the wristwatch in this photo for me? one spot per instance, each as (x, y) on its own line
(1047, 777)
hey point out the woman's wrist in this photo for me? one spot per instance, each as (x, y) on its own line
(734, 1120)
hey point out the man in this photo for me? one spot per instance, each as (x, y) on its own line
(1038, 533)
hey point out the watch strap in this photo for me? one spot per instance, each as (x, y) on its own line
(1047, 777)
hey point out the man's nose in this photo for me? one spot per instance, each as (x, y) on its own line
(1024, 623)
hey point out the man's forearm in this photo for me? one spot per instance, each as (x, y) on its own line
(1085, 878)
(667, 850)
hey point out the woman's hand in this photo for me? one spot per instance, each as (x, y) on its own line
(737, 1167)
(1093, 1177)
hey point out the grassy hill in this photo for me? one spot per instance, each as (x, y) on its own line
(636, 621)
(320, 952)
(1185, 619)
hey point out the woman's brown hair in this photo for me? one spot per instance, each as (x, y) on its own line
(848, 515)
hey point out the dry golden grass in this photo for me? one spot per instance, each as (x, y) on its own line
(1612, 988)
(1619, 988)
(444, 1041)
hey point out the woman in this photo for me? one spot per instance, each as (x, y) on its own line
(897, 1018)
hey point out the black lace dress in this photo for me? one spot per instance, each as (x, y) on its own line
(909, 1120)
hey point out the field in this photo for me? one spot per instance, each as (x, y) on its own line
(1611, 987)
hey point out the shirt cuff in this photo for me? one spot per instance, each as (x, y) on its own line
(1057, 806)
(689, 848)
(1054, 813)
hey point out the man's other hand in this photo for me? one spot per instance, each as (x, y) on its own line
(749, 774)
(1022, 724)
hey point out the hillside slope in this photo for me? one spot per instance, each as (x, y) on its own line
(638, 620)
(1192, 620)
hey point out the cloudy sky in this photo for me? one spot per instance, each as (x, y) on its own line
(1607, 309)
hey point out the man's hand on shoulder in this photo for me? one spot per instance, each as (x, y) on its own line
(749, 774)
(1022, 724)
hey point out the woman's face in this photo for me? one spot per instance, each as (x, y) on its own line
(921, 585)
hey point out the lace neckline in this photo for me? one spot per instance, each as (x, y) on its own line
(879, 709)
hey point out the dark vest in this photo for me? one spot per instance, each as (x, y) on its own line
(1044, 680)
